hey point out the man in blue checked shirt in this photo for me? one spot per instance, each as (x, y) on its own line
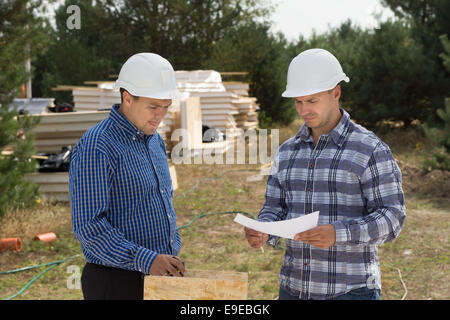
(121, 190)
(341, 169)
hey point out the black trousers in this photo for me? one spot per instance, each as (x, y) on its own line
(107, 283)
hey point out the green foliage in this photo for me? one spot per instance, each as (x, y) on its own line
(184, 32)
(440, 136)
(19, 28)
(430, 14)
(440, 159)
(15, 191)
(266, 63)
(395, 70)
(393, 78)
(429, 20)
(190, 34)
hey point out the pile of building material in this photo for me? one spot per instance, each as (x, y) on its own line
(247, 117)
(239, 88)
(56, 130)
(32, 105)
(199, 81)
(225, 105)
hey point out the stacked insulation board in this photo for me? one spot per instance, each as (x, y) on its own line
(224, 105)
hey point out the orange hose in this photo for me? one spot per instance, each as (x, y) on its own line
(13, 244)
(46, 237)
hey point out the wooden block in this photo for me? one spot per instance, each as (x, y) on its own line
(173, 176)
(198, 285)
(191, 120)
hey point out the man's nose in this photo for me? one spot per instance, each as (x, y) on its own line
(303, 109)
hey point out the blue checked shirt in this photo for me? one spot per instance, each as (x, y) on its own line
(121, 196)
(351, 177)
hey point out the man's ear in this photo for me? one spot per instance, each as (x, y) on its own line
(127, 98)
(337, 92)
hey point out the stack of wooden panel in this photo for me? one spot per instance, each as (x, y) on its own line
(56, 130)
(237, 87)
(225, 105)
(199, 81)
(217, 109)
(94, 98)
(247, 117)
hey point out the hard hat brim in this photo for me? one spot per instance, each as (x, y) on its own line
(172, 94)
(295, 92)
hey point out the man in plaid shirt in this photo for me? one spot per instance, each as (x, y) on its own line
(341, 169)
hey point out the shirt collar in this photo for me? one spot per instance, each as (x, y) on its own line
(338, 134)
(124, 123)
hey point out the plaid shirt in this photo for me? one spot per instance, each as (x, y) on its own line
(121, 196)
(351, 177)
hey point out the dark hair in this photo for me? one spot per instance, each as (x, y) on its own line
(121, 95)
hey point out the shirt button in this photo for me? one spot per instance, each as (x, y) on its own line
(134, 138)
(311, 165)
(162, 191)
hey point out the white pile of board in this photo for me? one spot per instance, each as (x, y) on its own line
(94, 98)
(56, 130)
(225, 105)
(247, 117)
(168, 123)
(199, 81)
(217, 109)
(240, 88)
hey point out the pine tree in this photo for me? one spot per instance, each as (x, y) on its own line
(440, 159)
(18, 26)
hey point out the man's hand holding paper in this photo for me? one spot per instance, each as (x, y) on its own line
(303, 229)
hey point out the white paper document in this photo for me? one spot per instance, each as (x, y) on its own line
(284, 229)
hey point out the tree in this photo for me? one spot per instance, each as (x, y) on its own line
(429, 19)
(254, 49)
(182, 31)
(18, 27)
(392, 79)
(432, 14)
(440, 135)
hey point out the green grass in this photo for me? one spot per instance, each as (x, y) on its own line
(215, 242)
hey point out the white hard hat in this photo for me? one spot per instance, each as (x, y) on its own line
(148, 75)
(313, 71)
